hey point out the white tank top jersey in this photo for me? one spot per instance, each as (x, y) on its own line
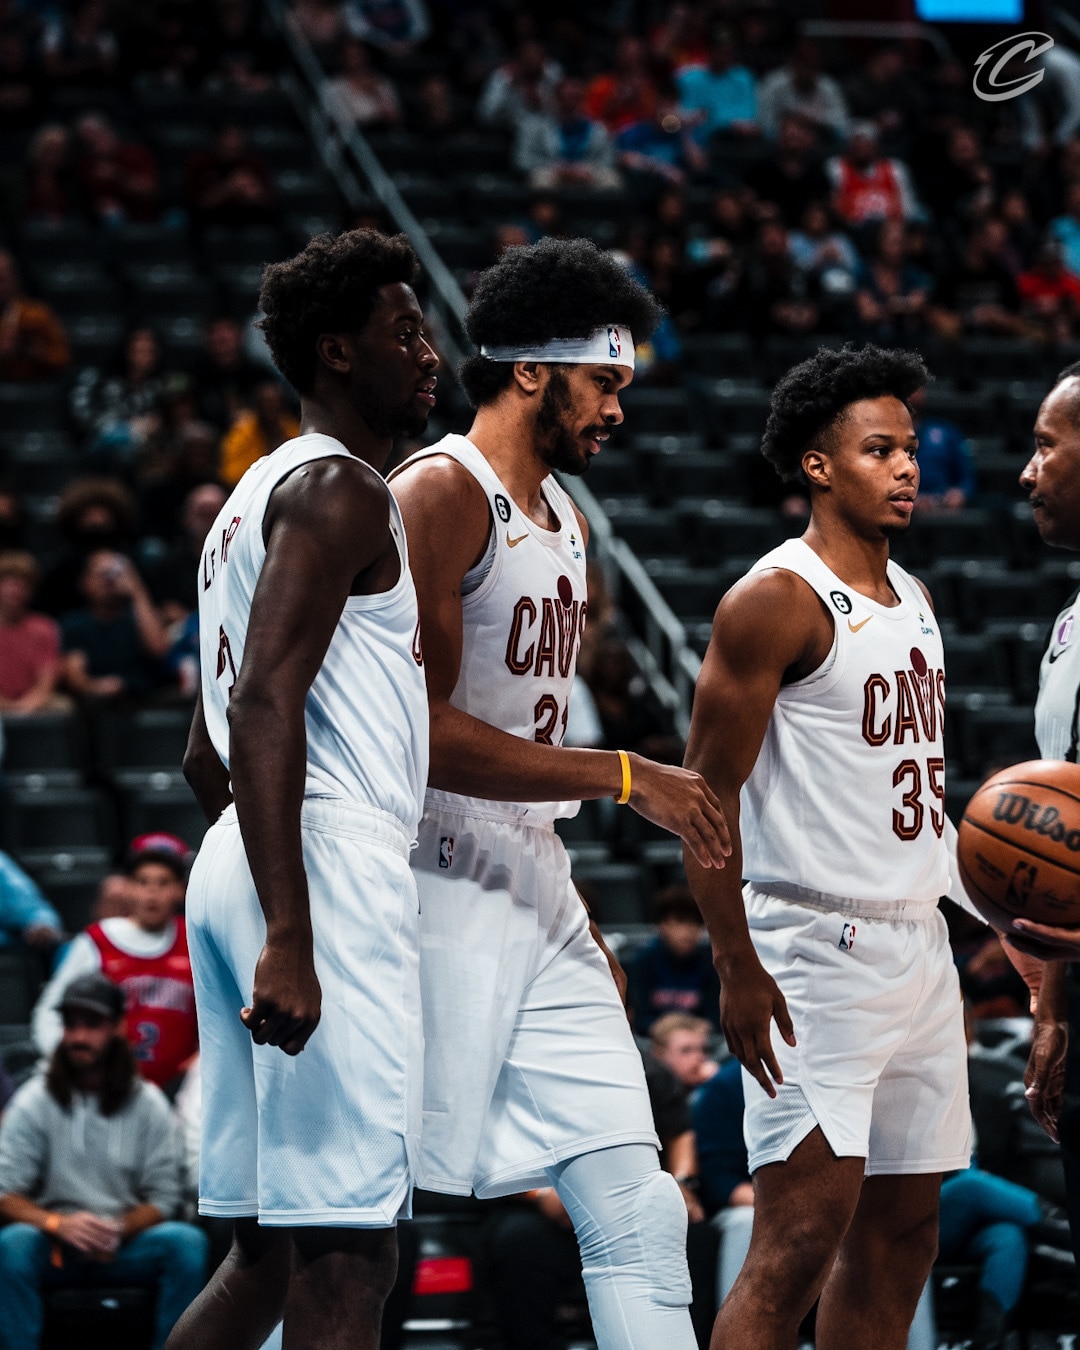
(522, 622)
(847, 798)
(367, 712)
(1057, 709)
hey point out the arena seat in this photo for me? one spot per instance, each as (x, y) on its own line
(693, 473)
(20, 982)
(77, 286)
(658, 411)
(72, 887)
(716, 530)
(649, 531)
(992, 735)
(692, 592)
(162, 802)
(986, 592)
(41, 406)
(974, 664)
(46, 744)
(615, 891)
(40, 461)
(56, 818)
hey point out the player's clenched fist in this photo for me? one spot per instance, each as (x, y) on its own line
(286, 1002)
(682, 802)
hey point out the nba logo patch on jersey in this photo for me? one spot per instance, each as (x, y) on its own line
(446, 851)
(1062, 637)
(847, 937)
(614, 343)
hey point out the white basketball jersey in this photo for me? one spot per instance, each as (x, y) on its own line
(522, 623)
(366, 713)
(847, 797)
(1057, 709)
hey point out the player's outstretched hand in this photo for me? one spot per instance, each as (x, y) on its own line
(1044, 1078)
(750, 1001)
(1044, 941)
(286, 1002)
(681, 801)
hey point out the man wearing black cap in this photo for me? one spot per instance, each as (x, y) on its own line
(90, 1175)
(146, 955)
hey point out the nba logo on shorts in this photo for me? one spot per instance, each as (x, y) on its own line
(446, 850)
(847, 937)
(614, 343)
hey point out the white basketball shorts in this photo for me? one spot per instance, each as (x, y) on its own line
(324, 1137)
(529, 1058)
(881, 1059)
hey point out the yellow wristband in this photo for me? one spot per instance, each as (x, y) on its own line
(624, 796)
(52, 1223)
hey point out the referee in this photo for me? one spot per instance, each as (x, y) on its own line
(1052, 480)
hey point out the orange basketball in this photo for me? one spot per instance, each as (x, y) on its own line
(1019, 846)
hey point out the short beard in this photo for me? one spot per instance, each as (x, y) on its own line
(558, 448)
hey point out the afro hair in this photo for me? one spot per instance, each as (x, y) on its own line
(330, 287)
(811, 398)
(558, 288)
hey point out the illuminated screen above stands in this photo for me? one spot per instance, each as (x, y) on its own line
(970, 11)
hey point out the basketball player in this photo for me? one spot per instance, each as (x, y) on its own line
(532, 1077)
(820, 705)
(1052, 478)
(301, 905)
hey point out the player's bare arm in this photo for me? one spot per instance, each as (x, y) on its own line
(447, 520)
(203, 769)
(1044, 1079)
(327, 536)
(768, 630)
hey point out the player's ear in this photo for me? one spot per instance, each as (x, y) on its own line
(527, 375)
(815, 465)
(332, 352)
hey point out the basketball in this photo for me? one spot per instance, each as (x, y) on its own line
(1019, 845)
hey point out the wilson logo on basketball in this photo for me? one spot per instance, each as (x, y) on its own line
(1015, 809)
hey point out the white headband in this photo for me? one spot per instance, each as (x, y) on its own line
(613, 346)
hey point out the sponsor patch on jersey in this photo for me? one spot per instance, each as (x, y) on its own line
(841, 600)
(502, 506)
(1062, 637)
(446, 851)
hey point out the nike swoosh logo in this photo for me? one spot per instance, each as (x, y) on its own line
(856, 626)
(513, 543)
(1054, 655)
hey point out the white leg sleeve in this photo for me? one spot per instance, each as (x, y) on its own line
(630, 1220)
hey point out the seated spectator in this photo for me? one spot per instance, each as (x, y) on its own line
(681, 39)
(946, 467)
(91, 1174)
(566, 147)
(25, 915)
(77, 48)
(522, 87)
(867, 187)
(720, 95)
(29, 643)
(627, 712)
(1050, 296)
(396, 27)
(825, 252)
(774, 295)
(978, 294)
(119, 411)
(799, 87)
(244, 58)
(792, 177)
(33, 343)
(893, 293)
(726, 1191)
(625, 95)
(674, 971)
(958, 186)
(256, 432)
(119, 179)
(1024, 238)
(229, 184)
(113, 647)
(92, 513)
(190, 461)
(662, 149)
(51, 192)
(146, 955)
(437, 111)
(681, 1043)
(884, 91)
(360, 96)
(174, 578)
(225, 377)
(1066, 229)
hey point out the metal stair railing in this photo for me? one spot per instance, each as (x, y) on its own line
(662, 650)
